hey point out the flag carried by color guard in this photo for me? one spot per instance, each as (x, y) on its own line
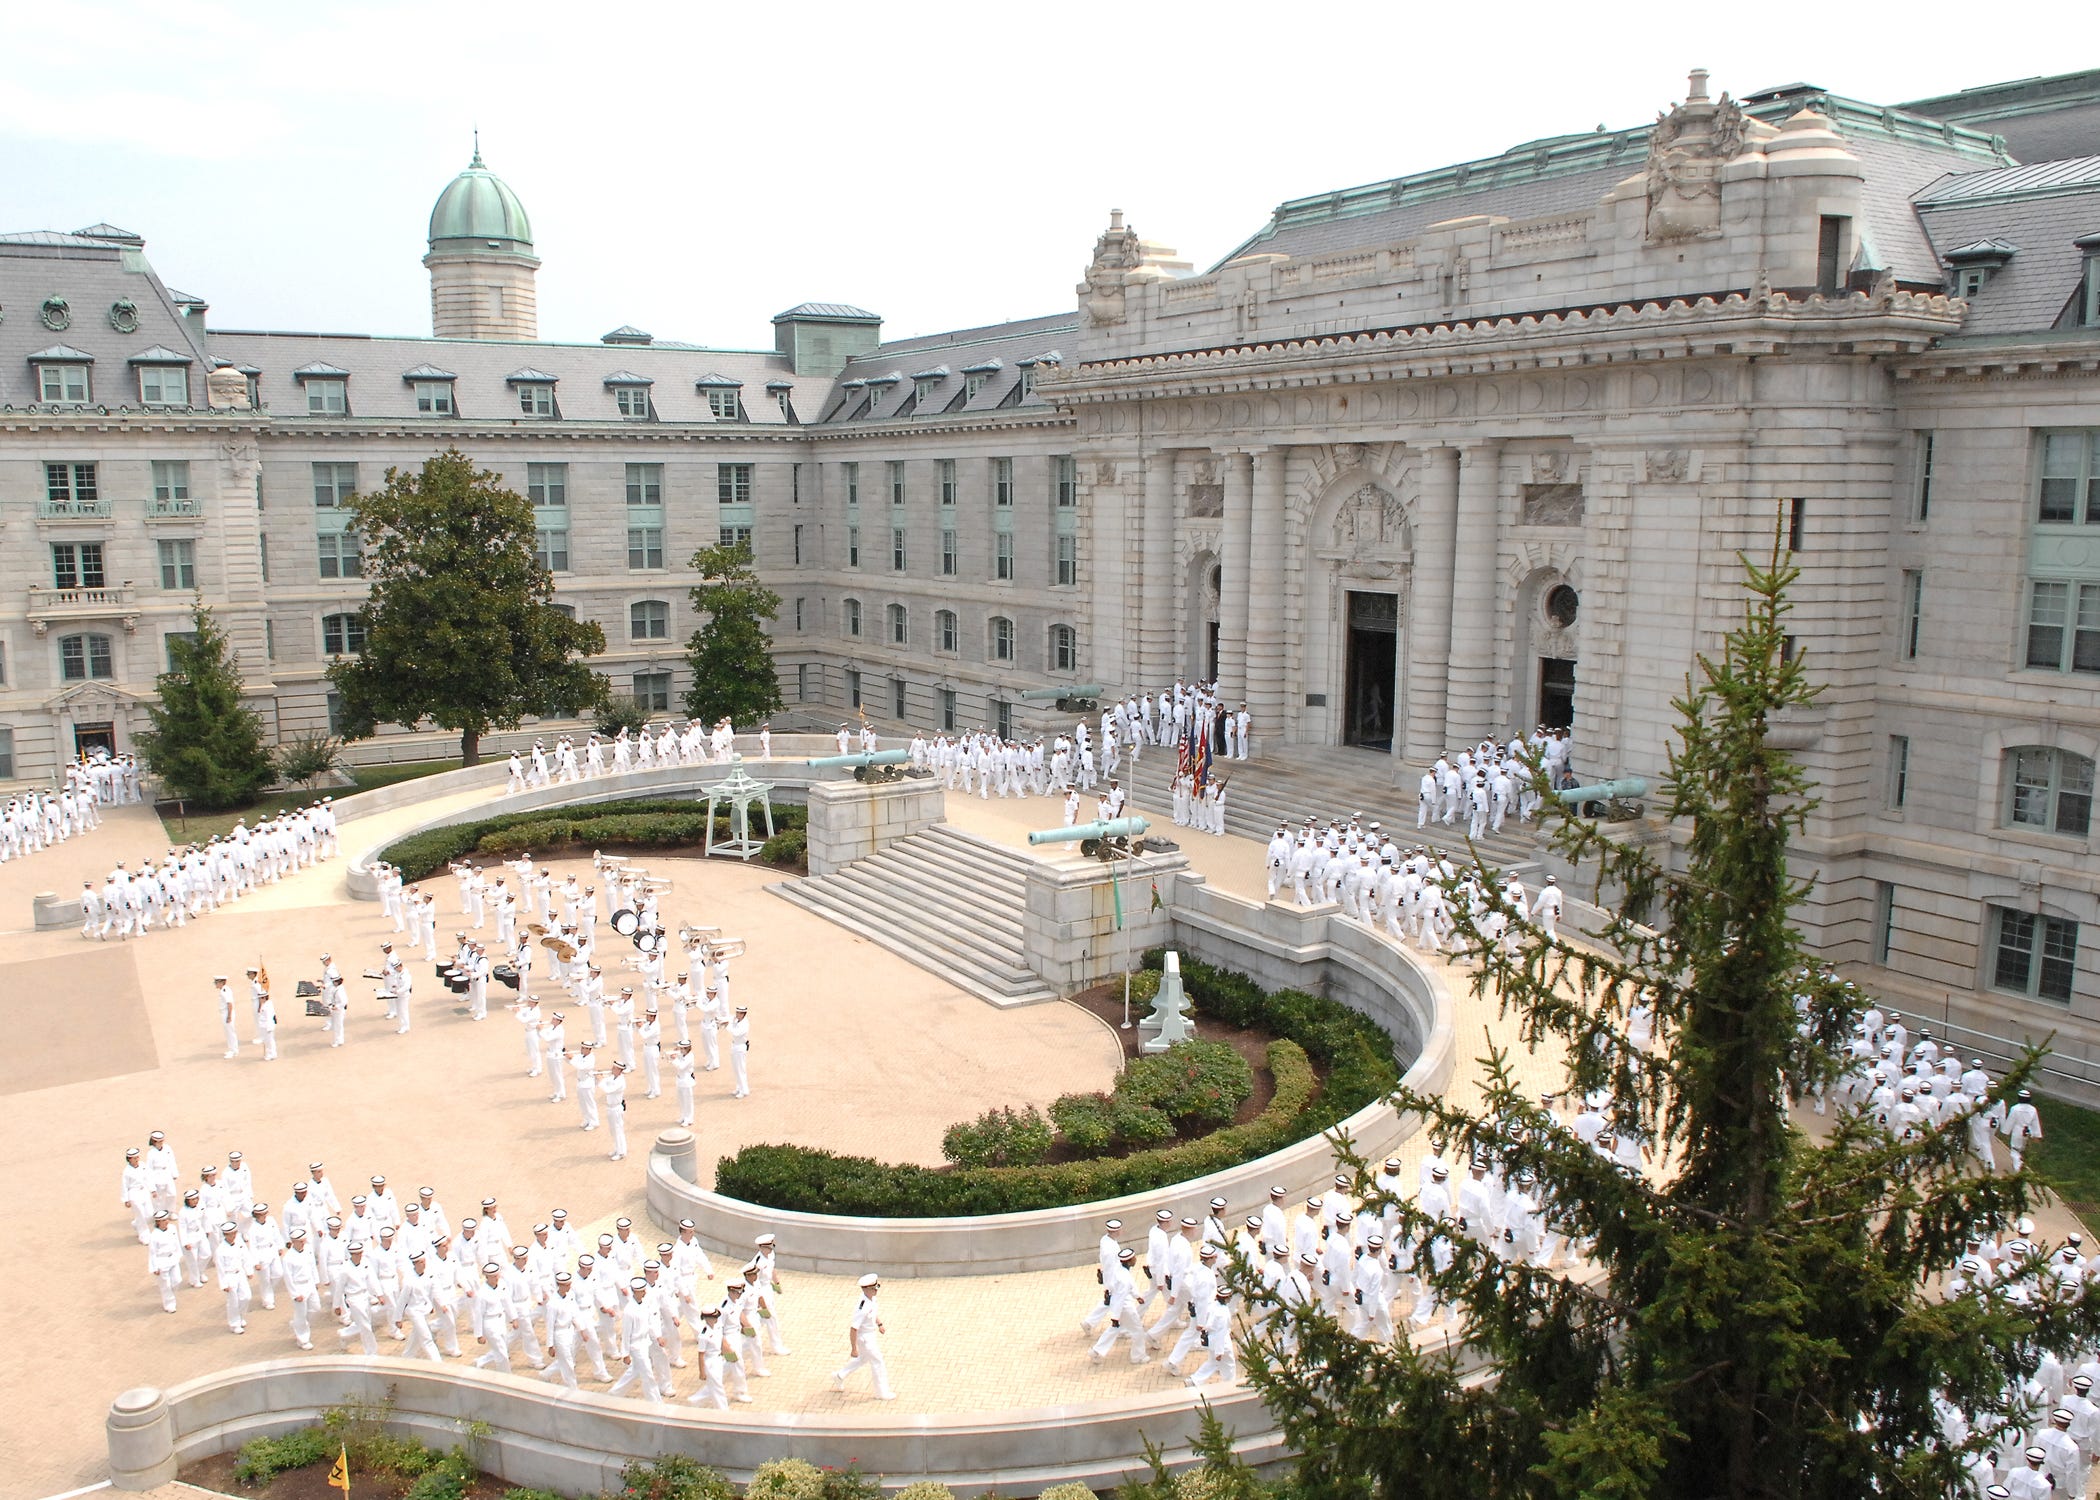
(339, 1471)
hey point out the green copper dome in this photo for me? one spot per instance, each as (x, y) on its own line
(479, 205)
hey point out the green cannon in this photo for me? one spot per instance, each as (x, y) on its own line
(867, 765)
(1614, 801)
(1097, 840)
(1044, 695)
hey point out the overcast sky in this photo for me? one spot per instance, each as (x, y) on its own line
(694, 169)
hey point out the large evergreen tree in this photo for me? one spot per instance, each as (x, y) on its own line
(205, 745)
(731, 654)
(461, 628)
(1760, 1315)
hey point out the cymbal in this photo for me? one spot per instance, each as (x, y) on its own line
(537, 929)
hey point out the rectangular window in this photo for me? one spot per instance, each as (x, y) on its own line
(896, 481)
(900, 627)
(342, 635)
(648, 620)
(948, 554)
(171, 486)
(1913, 611)
(725, 403)
(171, 640)
(794, 484)
(798, 613)
(802, 682)
(1002, 715)
(327, 398)
(83, 658)
(733, 483)
(71, 488)
(897, 549)
(944, 631)
(334, 484)
(1830, 247)
(645, 547)
(798, 546)
(64, 385)
(1002, 481)
(852, 483)
(340, 555)
(948, 710)
(2034, 955)
(270, 639)
(852, 617)
(1003, 556)
(1921, 488)
(262, 554)
(897, 697)
(1899, 772)
(2068, 479)
(550, 548)
(434, 398)
(1884, 920)
(852, 687)
(734, 536)
(547, 484)
(632, 401)
(1067, 560)
(852, 546)
(7, 752)
(652, 692)
(1065, 472)
(2063, 621)
(536, 398)
(76, 565)
(945, 468)
(164, 385)
(645, 484)
(1796, 523)
(178, 564)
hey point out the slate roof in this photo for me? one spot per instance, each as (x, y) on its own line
(2042, 119)
(827, 310)
(875, 388)
(92, 275)
(489, 372)
(2035, 177)
(2044, 216)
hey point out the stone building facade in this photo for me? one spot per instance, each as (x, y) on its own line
(1419, 462)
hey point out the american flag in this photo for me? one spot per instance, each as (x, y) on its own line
(1184, 754)
(1201, 760)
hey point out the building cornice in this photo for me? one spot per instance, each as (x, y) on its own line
(129, 419)
(2039, 358)
(1737, 324)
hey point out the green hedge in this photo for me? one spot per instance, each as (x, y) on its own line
(1354, 1050)
(650, 822)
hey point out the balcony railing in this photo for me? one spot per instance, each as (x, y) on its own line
(49, 509)
(158, 509)
(114, 599)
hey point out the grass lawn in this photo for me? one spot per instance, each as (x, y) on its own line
(200, 826)
(2068, 1156)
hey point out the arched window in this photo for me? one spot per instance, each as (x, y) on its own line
(1002, 638)
(2050, 791)
(1064, 649)
(853, 617)
(342, 635)
(648, 620)
(944, 630)
(82, 657)
(900, 625)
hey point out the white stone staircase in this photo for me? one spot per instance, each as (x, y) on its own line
(948, 901)
(1289, 785)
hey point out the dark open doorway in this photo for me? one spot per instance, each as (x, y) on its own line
(1556, 693)
(1374, 659)
(88, 738)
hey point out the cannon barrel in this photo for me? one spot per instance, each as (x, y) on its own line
(1114, 828)
(1604, 791)
(1050, 694)
(861, 758)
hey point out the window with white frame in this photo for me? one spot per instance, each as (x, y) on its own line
(171, 486)
(7, 752)
(645, 484)
(1002, 481)
(77, 565)
(1064, 649)
(948, 716)
(900, 625)
(2048, 790)
(801, 678)
(1003, 556)
(178, 563)
(2033, 954)
(897, 549)
(342, 635)
(852, 473)
(944, 470)
(1899, 773)
(72, 488)
(1921, 478)
(536, 398)
(2063, 626)
(897, 490)
(733, 484)
(851, 617)
(333, 484)
(1913, 611)
(973, 382)
(88, 657)
(550, 548)
(645, 548)
(632, 402)
(1067, 559)
(1002, 637)
(652, 692)
(648, 620)
(327, 398)
(897, 703)
(340, 554)
(433, 398)
(948, 552)
(1064, 472)
(547, 486)
(164, 385)
(734, 536)
(725, 403)
(2067, 479)
(64, 385)
(852, 546)
(853, 687)
(944, 631)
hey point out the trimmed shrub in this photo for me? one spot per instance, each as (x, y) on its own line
(789, 847)
(1137, 1123)
(850, 1483)
(786, 1479)
(263, 1459)
(1083, 1120)
(1144, 989)
(925, 1489)
(1194, 1083)
(1072, 1490)
(647, 822)
(672, 1477)
(999, 1138)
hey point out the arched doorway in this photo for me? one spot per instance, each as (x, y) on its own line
(1206, 582)
(1362, 560)
(1549, 615)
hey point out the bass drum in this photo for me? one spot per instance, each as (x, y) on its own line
(648, 942)
(626, 920)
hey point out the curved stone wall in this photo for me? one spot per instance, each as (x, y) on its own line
(1283, 946)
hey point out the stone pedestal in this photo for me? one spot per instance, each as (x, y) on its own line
(680, 1149)
(53, 911)
(850, 820)
(141, 1440)
(1069, 932)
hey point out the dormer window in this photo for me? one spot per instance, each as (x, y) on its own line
(1971, 266)
(535, 390)
(62, 376)
(327, 389)
(972, 384)
(2089, 290)
(922, 390)
(432, 389)
(630, 395)
(724, 396)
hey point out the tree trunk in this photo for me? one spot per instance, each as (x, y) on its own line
(470, 747)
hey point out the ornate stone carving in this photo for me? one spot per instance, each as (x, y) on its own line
(1685, 152)
(56, 314)
(1669, 465)
(1550, 467)
(124, 315)
(1116, 253)
(1348, 456)
(226, 389)
(1206, 502)
(1104, 471)
(1370, 531)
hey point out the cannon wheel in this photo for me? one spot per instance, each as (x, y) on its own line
(1091, 848)
(860, 773)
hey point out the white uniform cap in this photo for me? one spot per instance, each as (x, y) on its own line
(871, 1279)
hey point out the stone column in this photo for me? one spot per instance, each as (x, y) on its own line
(1239, 571)
(1265, 584)
(1472, 693)
(1429, 605)
(1157, 586)
(141, 1434)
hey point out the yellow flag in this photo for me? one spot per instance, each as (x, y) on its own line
(339, 1472)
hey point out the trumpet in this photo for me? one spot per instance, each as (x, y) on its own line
(726, 948)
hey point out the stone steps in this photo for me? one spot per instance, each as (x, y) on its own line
(944, 899)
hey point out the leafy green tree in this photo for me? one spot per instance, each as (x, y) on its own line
(461, 627)
(731, 654)
(1760, 1316)
(205, 744)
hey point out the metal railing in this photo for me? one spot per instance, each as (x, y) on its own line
(48, 509)
(160, 508)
